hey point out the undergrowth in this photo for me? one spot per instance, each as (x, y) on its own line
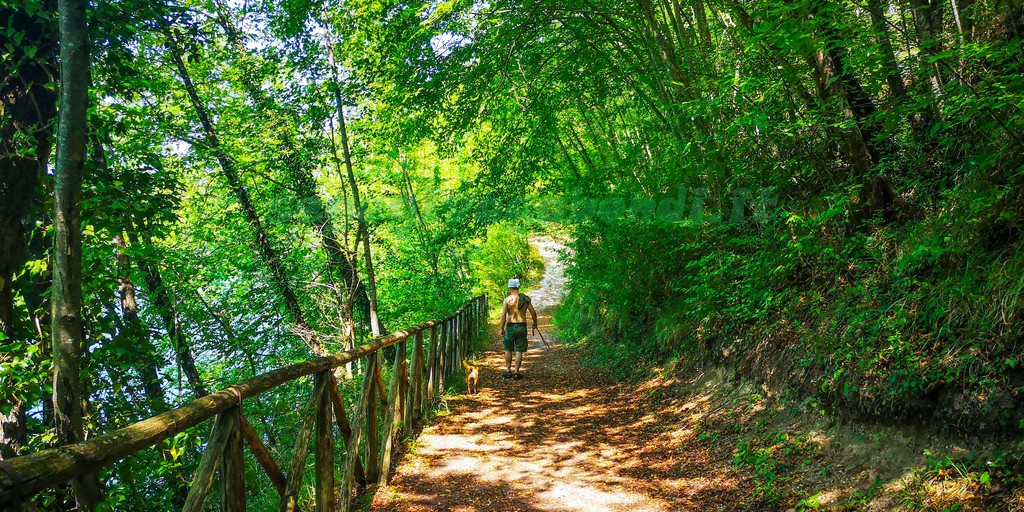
(920, 318)
(797, 459)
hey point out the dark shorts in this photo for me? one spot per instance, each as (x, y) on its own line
(515, 337)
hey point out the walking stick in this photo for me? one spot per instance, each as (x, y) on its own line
(543, 340)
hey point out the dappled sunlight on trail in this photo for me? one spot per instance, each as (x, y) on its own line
(563, 438)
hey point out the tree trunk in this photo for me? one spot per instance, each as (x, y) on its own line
(362, 232)
(928, 21)
(13, 436)
(700, 14)
(147, 361)
(66, 296)
(893, 76)
(161, 300)
(227, 166)
(963, 17)
(338, 257)
(835, 82)
(777, 54)
(27, 109)
(430, 253)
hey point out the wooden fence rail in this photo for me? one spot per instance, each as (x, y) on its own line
(414, 386)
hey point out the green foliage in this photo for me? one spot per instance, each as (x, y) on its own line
(506, 253)
(843, 192)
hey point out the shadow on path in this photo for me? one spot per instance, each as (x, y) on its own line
(564, 438)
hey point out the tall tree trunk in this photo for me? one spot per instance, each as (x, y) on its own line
(788, 70)
(432, 254)
(227, 166)
(665, 47)
(928, 21)
(701, 15)
(161, 299)
(837, 83)
(893, 77)
(964, 20)
(148, 365)
(369, 306)
(362, 232)
(27, 109)
(340, 260)
(147, 362)
(349, 330)
(66, 297)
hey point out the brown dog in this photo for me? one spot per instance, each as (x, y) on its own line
(472, 377)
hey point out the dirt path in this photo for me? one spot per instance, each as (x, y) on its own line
(562, 438)
(567, 438)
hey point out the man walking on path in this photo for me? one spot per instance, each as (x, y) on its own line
(513, 311)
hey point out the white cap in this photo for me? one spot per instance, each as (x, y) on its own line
(513, 283)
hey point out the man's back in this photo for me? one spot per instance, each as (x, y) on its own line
(516, 305)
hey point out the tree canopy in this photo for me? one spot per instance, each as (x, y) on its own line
(830, 191)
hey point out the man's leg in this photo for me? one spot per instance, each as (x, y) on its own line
(520, 347)
(508, 345)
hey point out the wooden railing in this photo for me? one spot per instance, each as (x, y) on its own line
(413, 388)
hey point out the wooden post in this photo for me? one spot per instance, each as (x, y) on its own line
(392, 418)
(469, 329)
(474, 318)
(380, 386)
(232, 477)
(403, 386)
(454, 354)
(431, 370)
(454, 363)
(442, 354)
(263, 457)
(455, 344)
(211, 461)
(344, 427)
(414, 382)
(296, 468)
(421, 383)
(324, 446)
(352, 457)
(372, 465)
(460, 346)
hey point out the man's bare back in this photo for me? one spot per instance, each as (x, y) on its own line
(515, 311)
